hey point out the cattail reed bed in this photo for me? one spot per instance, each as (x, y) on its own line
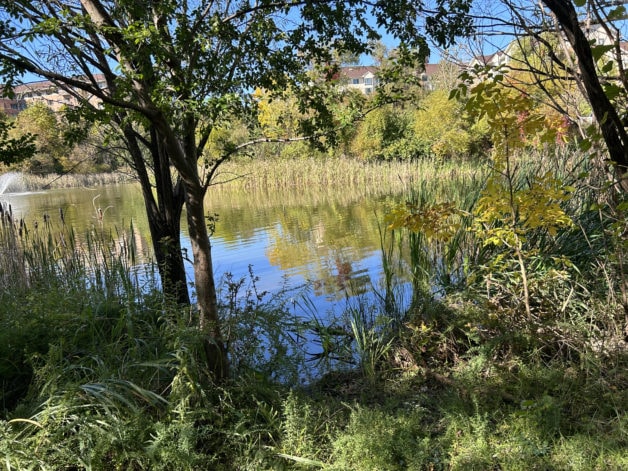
(272, 174)
(49, 249)
(393, 177)
(31, 182)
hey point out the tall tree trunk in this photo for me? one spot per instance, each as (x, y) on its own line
(183, 154)
(209, 321)
(611, 125)
(168, 255)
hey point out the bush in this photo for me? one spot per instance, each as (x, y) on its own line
(441, 128)
(385, 134)
(377, 440)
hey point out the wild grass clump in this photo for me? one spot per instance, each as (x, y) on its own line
(99, 371)
(56, 288)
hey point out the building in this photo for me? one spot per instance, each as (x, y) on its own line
(11, 106)
(365, 80)
(55, 97)
(359, 77)
(496, 59)
(597, 34)
(48, 93)
(429, 76)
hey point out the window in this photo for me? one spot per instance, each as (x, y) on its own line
(368, 90)
(355, 81)
(368, 81)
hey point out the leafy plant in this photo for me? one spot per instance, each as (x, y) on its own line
(505, 212)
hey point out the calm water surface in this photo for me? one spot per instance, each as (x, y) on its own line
(327, 239)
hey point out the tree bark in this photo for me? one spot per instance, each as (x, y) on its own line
(610, 123)
(164, 217)
(209, 321)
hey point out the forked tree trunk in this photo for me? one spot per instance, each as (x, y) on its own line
(168, 255)
(164, 215)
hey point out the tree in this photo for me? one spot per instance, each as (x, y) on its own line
(40, 121)
(564, 44)
(581, 44)
(612, 127)
(14, 149)
(385, 134)
(177, 69)
(443, 130)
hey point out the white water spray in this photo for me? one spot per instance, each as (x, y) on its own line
(10, 181)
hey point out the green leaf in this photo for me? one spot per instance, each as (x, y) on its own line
(599, 50)
(585, 145)
(618, 13)
(608, 67)
(612, 90)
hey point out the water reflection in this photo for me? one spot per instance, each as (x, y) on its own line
(327, 238)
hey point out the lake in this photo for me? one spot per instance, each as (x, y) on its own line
(328, 239)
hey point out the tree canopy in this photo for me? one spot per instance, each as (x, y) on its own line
(14, 149)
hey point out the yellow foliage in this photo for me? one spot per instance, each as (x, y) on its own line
(434, 221)
(440, 122)
(536, 207)
(278, 117)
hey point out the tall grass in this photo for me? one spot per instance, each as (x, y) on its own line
(98, 371)
(338, 173)
(51, 251)
(33, 182)
(52, 280)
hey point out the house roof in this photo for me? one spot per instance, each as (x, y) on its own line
(431, 69)
(488, 59)
(33, 86)
(358, 71)
(362, 70)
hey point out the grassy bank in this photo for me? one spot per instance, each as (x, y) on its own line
(98, 371)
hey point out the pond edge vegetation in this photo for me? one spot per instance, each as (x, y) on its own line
(458, 377)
